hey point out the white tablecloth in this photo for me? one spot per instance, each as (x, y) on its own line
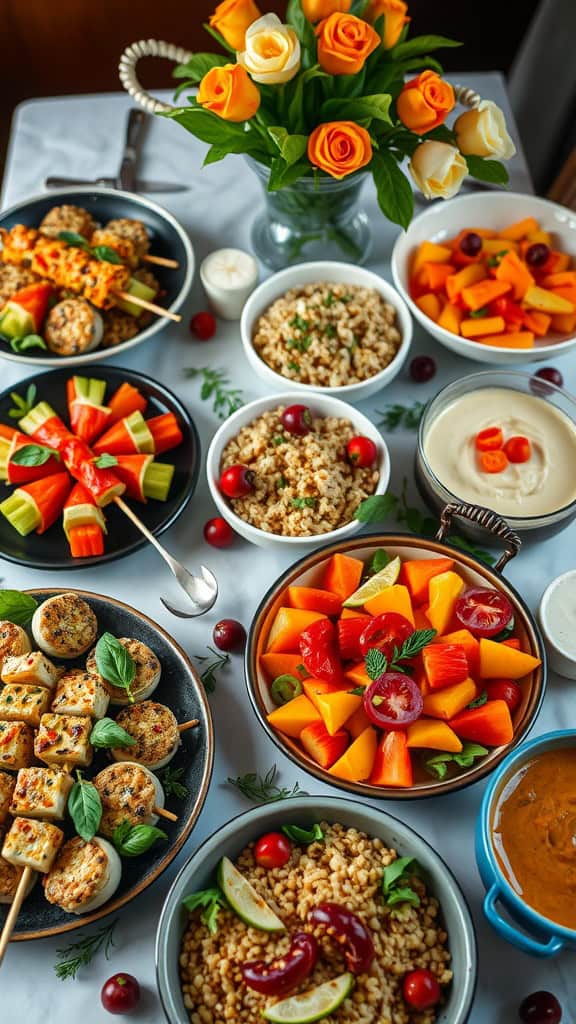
(83, 135)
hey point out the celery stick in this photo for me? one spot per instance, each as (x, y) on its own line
(157, 480)
(21, 512)
(140, 433)
(36, 417)
(91, 389)
(4, 451)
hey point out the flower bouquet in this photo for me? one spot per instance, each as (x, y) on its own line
(320, 102)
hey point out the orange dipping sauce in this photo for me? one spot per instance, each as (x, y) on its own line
(534, 834)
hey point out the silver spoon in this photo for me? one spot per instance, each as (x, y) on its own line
(201, 590)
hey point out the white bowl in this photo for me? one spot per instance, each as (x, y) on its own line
(483, 209)
(561, 658)
(339, 273)
(324, 405)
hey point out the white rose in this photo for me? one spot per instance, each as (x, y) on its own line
(272, 51)
(482, 132)
(438, 169)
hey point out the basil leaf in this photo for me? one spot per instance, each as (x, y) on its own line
(33, 455)
(28, 341)
(114, 663)
(468, 754)
(106, 254)
(303, 836)
(105, 461)
(437, 768)
(211, 900)
(22, 406)
(394, 871)
(85, 808)
(73, 238)
(107, 733)
(376, 508)
(133, 840)
(403, 894)
(17, 607)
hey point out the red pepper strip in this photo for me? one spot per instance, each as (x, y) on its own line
(17, 474)
(87, 420)
(131, 470)
(49, 495)
(34, 300)
(349, 932)
(116, 441)
(52, 433)
(102, 484)
(126, 400)
(86, 541)
(165, 431)
(284, 973)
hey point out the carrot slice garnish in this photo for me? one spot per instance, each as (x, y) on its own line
(489, 440)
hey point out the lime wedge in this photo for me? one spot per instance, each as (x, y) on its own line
(375, 585)
(244, 899)
(315, 1004)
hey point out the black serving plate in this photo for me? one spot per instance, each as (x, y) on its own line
(168, 239)
(180, 689)
(50, 550)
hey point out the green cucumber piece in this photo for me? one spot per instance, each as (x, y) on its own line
(140, 433)
(244, 899)
(5, 446)
(16, 322)
(82, 515)
(315, 1004)
(21, 511)
(141, 291)
(36, 418)
(157, 480)
(91, 389)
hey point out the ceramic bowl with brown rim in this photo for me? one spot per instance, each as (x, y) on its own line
(179, 688)
(308, 572)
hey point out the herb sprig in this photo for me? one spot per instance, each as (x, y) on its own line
(34, 455)
(22, 406)
(115, 664)
(377, 662)
(438, 765)
(85, 808)
(264, 789)
(396, 882)
(80, 954)
(211, 900)
(170, 779)
(26, 342)
(216, 385)
(397, 415)
(133, 840)
(208, 674)
(107, 733)
(303, 836)
(104, 253)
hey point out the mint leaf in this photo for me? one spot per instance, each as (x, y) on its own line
(303, 836)
(376, 509)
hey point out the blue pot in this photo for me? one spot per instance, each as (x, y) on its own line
(535, 934)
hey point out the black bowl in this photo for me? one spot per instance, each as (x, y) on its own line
(168, 239)
(50, 550)
(179, 688)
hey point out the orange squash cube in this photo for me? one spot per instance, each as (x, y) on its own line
(483, 325)
(564, 323)
(471, 274)
(335, 705)
(357, 675)
(538, 323)
(287, 626)
(515, 272)
(433, 734)
(357, 723)
(451, 700)
(444, 591)
(356, 763)
(478, 295)
(314, 600)
(342, 575)
(516, 232)
(498, 661)
(429, 252)
(417, 572)
(294, 716)
(450, 318)
(468, 642)
(435, 274)
(393, 599)
(547, 301)
(513, 339)
(280, 664)
(429, 304)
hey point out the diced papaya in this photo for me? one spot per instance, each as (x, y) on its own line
(547, 301)
(342, 575)
(538, 323)
(468, 642)
(567, 292)
(429, 252)
(353, 613)
(499, 661)
(449, 702)
(294, 716)
(357, 675)
(420, 618)
(514, 642)
(513, 339)
(435, 275)
(394, 599)
(450, 318)
(563, 322)
(557, 263)
(287, 626)
(280, 664)
(484, 292)
(417, 572)
(433, 734)
(513, 270)
(357, 722)
(429, 304)
(517, 231)
(490, 724)
(321, 746)
(471, 274)
(356, 763)
(314, 600)
(443, 591)
(419, 675)
(482, 325)
(335, 705)
(444, 665)
(539, 236)
(393, 763)
(565, 277)
(496, 247)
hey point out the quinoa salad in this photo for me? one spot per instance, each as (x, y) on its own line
(301, 485)
(328, 335)
(378, 938)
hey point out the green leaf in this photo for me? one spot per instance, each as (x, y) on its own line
(114, 663)
(420, 45)
(380, 560)
(376, 107)
(304, 30)
(133, 840)
(170, 779)
(468, 754)
(358, 691)
(487, 170)
(375, 663)
(479, 702)
(358, 8)
(211, 900)
(106, 254)
(27, 342)
(210, 128)
(17, 607)
(395, 878)
(219, 38)
(420, 63)
(281, 175)
(295, 113)
(291, 147)
(303, 836)
(395, 196)
(437, 768)
(376, 509)
(33, 455)
(73, 238)
(415, 643)
(403, 894)
(105, 461)
(199, 65)
(214, 154)
(85, 808)
(22, 406)
(107, 733)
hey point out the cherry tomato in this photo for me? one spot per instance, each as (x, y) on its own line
(493, 462)
(518, 448)
(203, 325)
(540, 1008)
(385, 632)
(393, 701)
(506, 690)
(273, 850)
(120, 994)
(281, 975)
(218, 533)
(489, 440)
(297, 420)
(361, 451)
(319, 649)
(483, 611)
(350, 933)
(422, 369)
(229, 635)
(236, 481)
(471, 244)
(421, 990)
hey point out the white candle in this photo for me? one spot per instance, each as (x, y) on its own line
(228, 276)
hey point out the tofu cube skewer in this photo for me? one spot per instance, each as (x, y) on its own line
(33, 669)
(64, 740)
(32, 846)
(16, 745)
(79, 693)
(7, 783)
(41, 793)
(24, 704)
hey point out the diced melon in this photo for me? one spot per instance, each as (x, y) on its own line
(394, 599)
(433, 734)
(429, 252)
(547, 301)
(294, 716)
(444, 591)
(287, 626)
(498, 661)
(451, 700)
(356, 764)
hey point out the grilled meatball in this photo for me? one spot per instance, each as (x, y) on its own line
(145, 680)
(68, 218)
(155, 730)
(84, 875)
(73, 326)
(64, 626)
(13, 278)
(118, 327)
(13, 641)
(134, 231)
(129, 792)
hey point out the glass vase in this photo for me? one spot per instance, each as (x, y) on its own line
(316, 218)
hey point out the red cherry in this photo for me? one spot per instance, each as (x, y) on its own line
(361, 451)
(422, 369)
(537, 254)
(471, 244)
(229, 635)
(547, 373)
(120, 994)
(421, 990)
(297, 419)
(236, 481)
(273, 850)
(540, 1008)
(203, 325)
(218, 533)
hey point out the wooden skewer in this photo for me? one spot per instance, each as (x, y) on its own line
(162, 813)
(150, 306)
(10, 921)
(189, 725)
(161, 261)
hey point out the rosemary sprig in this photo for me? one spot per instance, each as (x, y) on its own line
(208, 674)
(377, 663)
(79, 954)
(170, 779)
(397, 415)
(215, 385)
(264, 789)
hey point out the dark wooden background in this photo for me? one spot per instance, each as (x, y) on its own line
(58, 47)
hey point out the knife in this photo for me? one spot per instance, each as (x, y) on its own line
(141, 185)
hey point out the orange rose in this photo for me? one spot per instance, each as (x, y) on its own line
(314, 10)
(394, 12)
(229, 92)
(339, 148)
(344, 43)
(424, 102)
(231, 19)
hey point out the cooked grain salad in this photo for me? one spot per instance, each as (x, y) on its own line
(328, 334)
(302, 486)
(346, 868)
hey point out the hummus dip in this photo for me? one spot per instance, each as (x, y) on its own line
(543, 484)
